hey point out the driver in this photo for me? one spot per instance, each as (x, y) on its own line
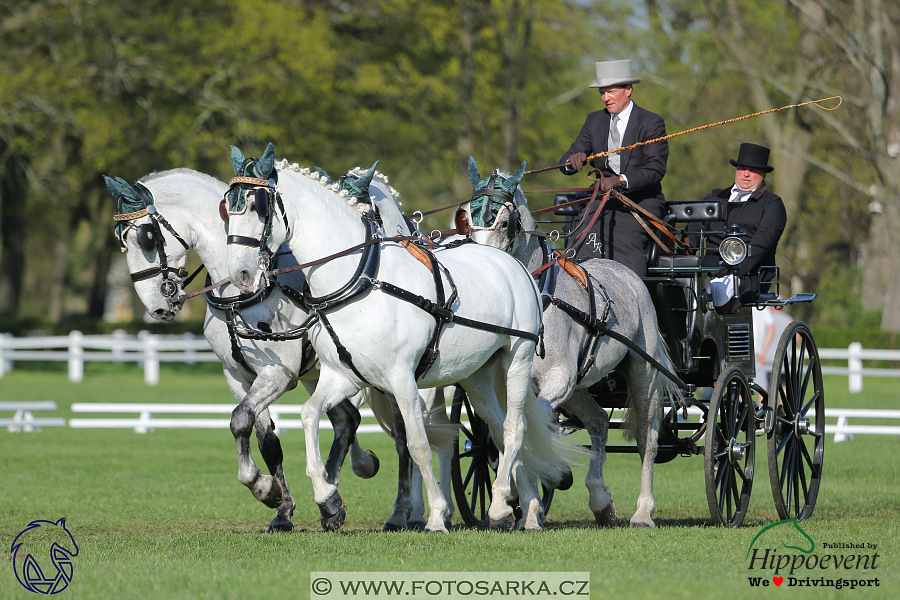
(751, 206)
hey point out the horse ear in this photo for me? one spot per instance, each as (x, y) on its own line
(322, 172)
(266, 164)
(237, 160)
(513, 180)
(112, 185)
(474, 177)
(363, 182)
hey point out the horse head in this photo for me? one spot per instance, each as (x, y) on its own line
(251, 202)
(155, 253)
(497, 212)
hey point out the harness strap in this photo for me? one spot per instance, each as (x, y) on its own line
(343, 354)
(419, 254)
(602, 329)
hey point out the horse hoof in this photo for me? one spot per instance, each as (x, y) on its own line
(333, 512)
(376, 464)
(281, 524)
(334, 522)
(639, 523)
(391, 528)
(268, 490)
(417, 525)
(507, 523)
(607, 516)
(566, 482)
(435, 530)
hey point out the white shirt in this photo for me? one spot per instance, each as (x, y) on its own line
(739, 195)
(622, 125)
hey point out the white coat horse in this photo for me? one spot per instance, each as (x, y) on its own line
(187, 203)
(498, 216)
(379, 308)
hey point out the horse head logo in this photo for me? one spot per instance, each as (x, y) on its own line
(38, 540)
(789, 534)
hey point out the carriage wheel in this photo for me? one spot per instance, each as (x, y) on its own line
(730, 449)
(474, 467)
(797, 441)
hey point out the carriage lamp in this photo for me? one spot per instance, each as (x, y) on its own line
(733, 250)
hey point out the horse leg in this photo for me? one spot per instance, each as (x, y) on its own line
(345, 421)
(437, 415)
(270, 448)
(596, 421)
(410, 406)
(268, 386)
(399, 520)
(332, 389)
(364, 462)
(643, 400)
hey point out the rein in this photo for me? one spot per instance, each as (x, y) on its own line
(726, 122)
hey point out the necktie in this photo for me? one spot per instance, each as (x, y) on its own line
(615, 140)
(740, 196)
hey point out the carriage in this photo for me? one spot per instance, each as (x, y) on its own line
(709, 352)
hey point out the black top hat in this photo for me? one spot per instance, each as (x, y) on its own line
(752, 155)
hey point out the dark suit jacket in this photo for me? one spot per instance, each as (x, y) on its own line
(762, 217)
(644, 166)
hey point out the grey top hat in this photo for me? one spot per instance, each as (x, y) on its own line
(613, 72)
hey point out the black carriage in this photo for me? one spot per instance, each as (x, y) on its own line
(710, 352)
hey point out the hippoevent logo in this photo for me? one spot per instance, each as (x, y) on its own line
(42, 556)
(782, 554)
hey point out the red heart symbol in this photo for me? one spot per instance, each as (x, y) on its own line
(778, 580)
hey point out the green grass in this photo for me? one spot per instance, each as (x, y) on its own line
(163, 515)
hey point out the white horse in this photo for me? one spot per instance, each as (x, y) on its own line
(258, 372)
(380, 307)
(498, 216)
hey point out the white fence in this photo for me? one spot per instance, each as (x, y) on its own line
(855, 355)
(145, 349)
(148, 350)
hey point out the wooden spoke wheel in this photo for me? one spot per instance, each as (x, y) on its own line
(474, 466)
(796, 443)
(730, 449)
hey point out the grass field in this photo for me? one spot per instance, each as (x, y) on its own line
(162, 515)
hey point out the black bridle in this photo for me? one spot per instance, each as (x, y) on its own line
(149, 238)
(264, 198)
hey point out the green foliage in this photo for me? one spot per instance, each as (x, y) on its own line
(123, 89)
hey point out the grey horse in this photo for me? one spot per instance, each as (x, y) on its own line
(498, 215)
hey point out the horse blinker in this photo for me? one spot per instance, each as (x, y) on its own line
(146, 235)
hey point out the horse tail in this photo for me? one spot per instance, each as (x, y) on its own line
(660, 385)
(543, 450)
(664, 385)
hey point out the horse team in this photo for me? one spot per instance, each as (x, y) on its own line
(326, 283)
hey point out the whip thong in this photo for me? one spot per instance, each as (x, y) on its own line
(660, 139)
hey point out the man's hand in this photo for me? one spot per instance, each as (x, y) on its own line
(576, 161)
(608, 183)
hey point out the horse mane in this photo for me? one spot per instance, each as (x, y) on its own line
(320, 177)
